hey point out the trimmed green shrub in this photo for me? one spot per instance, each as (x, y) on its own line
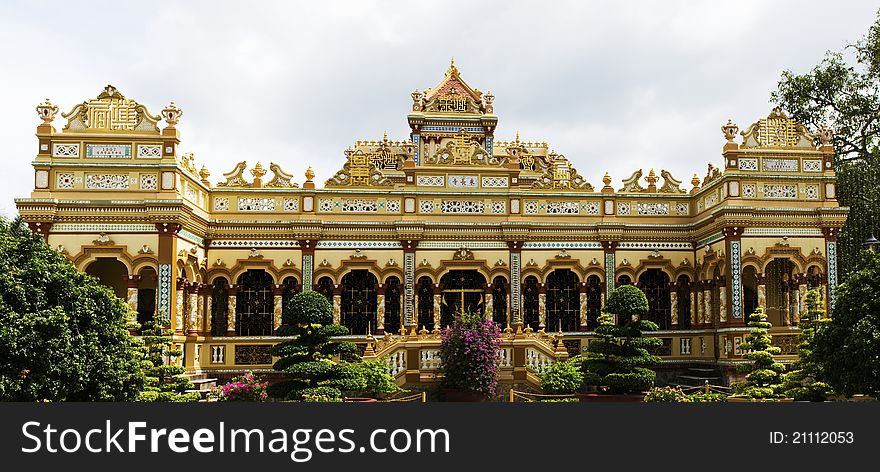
(666, 395)
(562, 377)
(763, 378)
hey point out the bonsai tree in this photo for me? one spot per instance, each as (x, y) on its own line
(63, 335)
(845, 348)
(468, 354)
(563, 377)
(310, 359)
(621, 357)
(803, 381)
(763, 378)
(165, 381)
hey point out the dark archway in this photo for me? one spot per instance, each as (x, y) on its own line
(255, 304)
(146, 299)
(780, 274)
(655, 284)
(683, 300)
(530, 306)
(563, 301)
(111, 273)
(392, 305)
(358, 304)
(219, 306)
(499, 301)
(325, 287)
(467, 286)
(750, 291)
(425, 293)
(594, 301)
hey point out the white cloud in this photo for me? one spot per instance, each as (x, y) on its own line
(612, 85)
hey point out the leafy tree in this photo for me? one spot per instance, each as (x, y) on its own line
(763, 378)
(846, 95)
(308, 359)
(165, 381)
(374, 378)
(804, 381)
(620, 358)
(846, 349)
(562, 377)
(63, 335)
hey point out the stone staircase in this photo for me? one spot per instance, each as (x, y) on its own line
(202, 384)
(698, 376)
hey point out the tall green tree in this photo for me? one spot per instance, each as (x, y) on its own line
(310, 360)
(621, 357)
(165, 381)
(763, 377)
(804, 381)
(63, 335)
(843, 90)
(847, 348)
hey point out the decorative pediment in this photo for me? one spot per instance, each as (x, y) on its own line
(631, 185)
(777, 130)
(111, 112)
(670, 183)
(561, 175)
(386, 154)
(463, 254)
(452, 95)
(358, 171)
(461, 150)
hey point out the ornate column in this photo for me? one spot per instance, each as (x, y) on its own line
(277, 306)
(167, 255)
(437, 301)
(307, 247)
(488, 306)
(831, 272)
(208, 295)
(582, 292)
(177, 321)
(802, 294)
(761, 279)
(408, 306)
(380, 309)
(231, 306)
(786, 297)
(132, 282)
(515, 292)
(693, 302)
(192, 316)
(708, 313)
(41, 227)
(673, 304)
(721, 283)
(794, 300)
(733, 273)
(337, 304)
(610, 265)
(542, 306)
(700, 304)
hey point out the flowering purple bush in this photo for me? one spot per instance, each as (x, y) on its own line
(244, 388)
(468, 353)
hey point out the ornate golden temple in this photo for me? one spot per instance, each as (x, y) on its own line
(408, 231)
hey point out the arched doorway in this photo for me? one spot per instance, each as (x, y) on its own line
(325, 287)
(563, 301)
(594, 301)
(499, 301)
(683, 301)
(750, 291)
(461, 288)
(255, 304)
(531, 302)
(111, 273)
(392, 305)
(624, 280)
(219, 306)
(146, 299)
(655, 284)
(358, 304)
(425, 292)
(780, 274)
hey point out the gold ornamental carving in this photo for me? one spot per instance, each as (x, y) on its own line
(111, 111)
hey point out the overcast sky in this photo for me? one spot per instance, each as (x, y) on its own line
(614, 86)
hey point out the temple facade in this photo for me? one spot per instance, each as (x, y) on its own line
(406, 232)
